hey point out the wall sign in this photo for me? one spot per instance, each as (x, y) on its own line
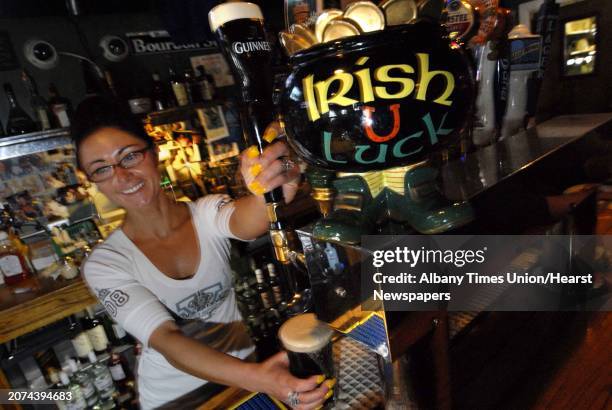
(160, 42)
(8, 58)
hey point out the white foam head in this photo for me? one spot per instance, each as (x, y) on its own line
(225, 12)
(304, 333)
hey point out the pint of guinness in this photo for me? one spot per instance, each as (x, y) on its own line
(309, 347)
(239, 30)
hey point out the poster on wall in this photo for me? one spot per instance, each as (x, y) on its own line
(213, 122)
(215, 65)
(159, 41)
(8, 59)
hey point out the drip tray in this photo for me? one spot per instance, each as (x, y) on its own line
(358, 375)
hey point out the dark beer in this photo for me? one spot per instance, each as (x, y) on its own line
(239, 30)
(309, 347)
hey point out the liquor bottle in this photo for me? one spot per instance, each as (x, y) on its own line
(102, 379)
(179, 88)
(194, 93)
(159, 94)
(123, 380)
(12, 263)
(82, 377)
(118, 336)
(60, 107)
(263, 289)
(249, 298)
(80, 341)
(76, 401)
(275, 285)
(95, 332)
(139, 102)
(37, 102)
(18, 122)
(206, 83)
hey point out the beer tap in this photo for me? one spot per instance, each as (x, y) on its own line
(239, 31)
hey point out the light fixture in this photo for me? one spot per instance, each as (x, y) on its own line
(42, 54)
(114, 48)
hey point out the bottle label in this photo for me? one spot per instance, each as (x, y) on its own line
(180, 92)
(98, 338)
(89, 392)
(11, 265)
(77, 402)
(117, 372)
(41, 113)
(82, 345)
(104, 385)
(119, 332)
(265, 300)
(278, 294)
(61, 112)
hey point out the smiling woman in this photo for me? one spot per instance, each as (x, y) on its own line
(170, 260)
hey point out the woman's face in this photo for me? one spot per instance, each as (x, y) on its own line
(131, 188)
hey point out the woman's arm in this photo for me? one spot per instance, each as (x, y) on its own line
(262, 173)
(271, 376)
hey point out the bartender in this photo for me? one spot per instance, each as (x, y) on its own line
(170, 259)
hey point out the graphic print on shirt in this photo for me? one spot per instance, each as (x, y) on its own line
(201, 304)
(113, 299)
(223, 202)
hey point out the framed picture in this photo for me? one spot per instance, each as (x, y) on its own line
(213, 122)
(215, 65)
(222, 149)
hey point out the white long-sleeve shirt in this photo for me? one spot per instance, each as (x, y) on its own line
(139, 297)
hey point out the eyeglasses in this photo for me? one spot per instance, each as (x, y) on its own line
(130, 160)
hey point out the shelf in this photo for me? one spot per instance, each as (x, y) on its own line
(52, 301)
(177, 114)
(18, 145)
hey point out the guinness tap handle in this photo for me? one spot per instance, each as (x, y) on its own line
(239, 31)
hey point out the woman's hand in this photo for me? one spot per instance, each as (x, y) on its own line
(273, 378)
(272, 168)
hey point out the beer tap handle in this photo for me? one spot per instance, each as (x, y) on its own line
(239, 31)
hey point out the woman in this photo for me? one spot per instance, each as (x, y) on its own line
(171, 259)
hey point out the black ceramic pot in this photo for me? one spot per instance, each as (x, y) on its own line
(378, 100)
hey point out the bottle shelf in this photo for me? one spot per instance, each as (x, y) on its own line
(177, 114)
(40, 141)
(51, 300)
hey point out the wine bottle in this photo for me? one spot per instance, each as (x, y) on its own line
(179, 88)
(80, 341)
(95, 332)
(124, 381)
(275, 285)
(75, 400)
(102, 379)
(263, 289)
(60, 107)
(203, 80)
(37, 102)
(83, 379)
(194, 94)
(18, 121)
(159, 94)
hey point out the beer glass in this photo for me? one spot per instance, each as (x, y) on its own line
(309, 347)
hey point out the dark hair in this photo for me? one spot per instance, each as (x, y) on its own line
(98, 112)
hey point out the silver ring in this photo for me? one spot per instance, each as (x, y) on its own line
(287, 164)
(293, 399)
